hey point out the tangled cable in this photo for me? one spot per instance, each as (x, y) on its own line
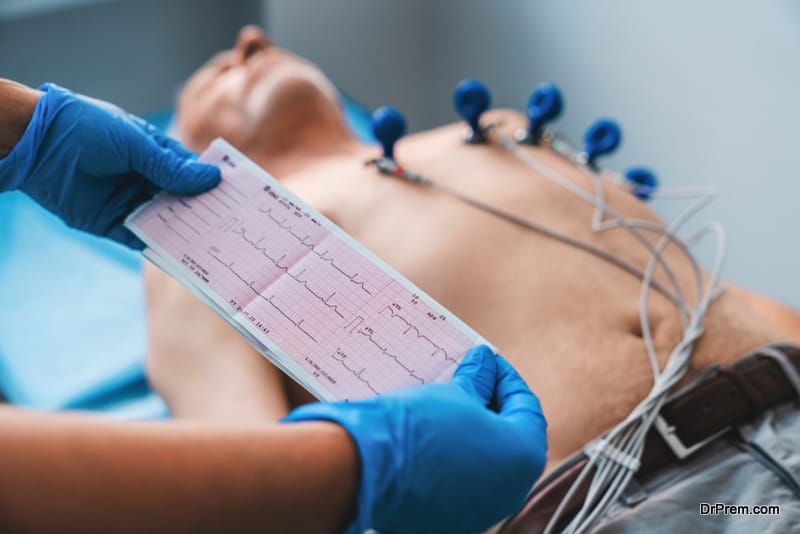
(616, 456)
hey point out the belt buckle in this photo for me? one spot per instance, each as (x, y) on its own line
(676, 445)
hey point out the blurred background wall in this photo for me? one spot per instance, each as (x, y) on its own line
(136, 53)
(705, 91)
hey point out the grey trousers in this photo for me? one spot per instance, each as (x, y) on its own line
(746, 482)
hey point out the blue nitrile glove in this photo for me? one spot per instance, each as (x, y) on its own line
(435, 458)
(91, 163)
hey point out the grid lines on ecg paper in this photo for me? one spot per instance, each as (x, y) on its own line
(343, 319)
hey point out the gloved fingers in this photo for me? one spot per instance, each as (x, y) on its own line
(477, 373)
(141, 123)
(171, 172)
(171, 144)
(520, 408)
(163, 141)
(513, 395)
(122, 235)
(108, 107)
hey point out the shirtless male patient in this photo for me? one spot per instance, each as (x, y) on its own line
(567, 320)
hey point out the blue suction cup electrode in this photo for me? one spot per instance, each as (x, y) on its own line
(602, 138)
(471, 99)
(643, 182)
(388, 125)
(544, 105)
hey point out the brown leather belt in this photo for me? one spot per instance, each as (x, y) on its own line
(691, 419)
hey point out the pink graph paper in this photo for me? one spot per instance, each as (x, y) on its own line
(314, 301)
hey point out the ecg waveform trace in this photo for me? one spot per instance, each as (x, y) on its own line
(329, 312)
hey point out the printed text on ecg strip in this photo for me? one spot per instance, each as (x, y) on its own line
(300, 286)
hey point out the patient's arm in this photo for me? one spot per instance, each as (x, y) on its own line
(780, 316)
(201, 366)
(69, 473)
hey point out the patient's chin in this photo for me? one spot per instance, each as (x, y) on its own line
(297, 102)
(292, 109)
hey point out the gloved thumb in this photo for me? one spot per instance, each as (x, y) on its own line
(477, 373)
(172, 172)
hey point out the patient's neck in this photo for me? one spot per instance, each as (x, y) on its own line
(305, 151)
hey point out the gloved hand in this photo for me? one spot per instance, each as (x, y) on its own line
(435, 458)
(92, 164)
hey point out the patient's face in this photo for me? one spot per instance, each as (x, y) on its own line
(259, 97)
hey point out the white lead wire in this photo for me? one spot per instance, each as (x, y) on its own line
(625, 440)
(556, 178)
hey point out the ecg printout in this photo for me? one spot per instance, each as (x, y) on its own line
(309, 297)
